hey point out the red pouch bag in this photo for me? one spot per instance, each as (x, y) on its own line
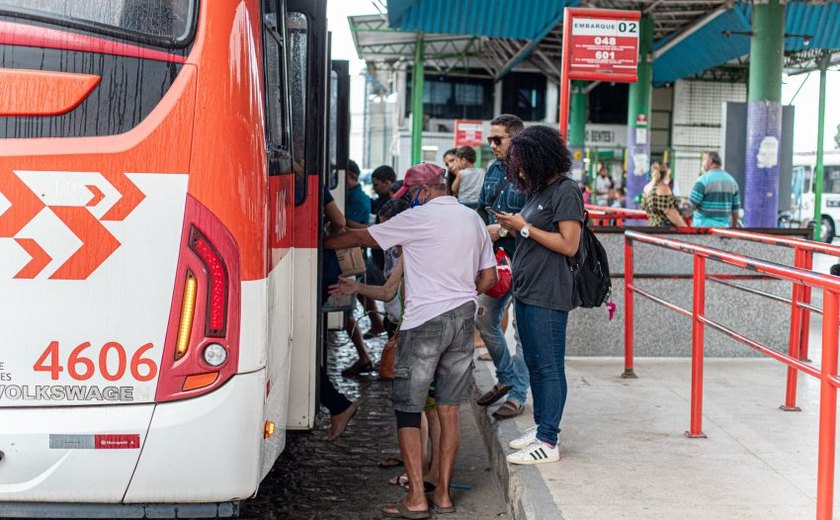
(504, 273)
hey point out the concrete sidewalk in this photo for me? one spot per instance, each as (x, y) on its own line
(624, 455)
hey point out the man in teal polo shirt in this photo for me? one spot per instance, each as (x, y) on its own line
(715, 196)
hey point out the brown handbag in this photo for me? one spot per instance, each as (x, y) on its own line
(389, 357)
(351, 261)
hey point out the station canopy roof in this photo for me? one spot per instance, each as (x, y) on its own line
(692, 38)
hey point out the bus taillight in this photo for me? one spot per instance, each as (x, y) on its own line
(216, 284)
(202, 342)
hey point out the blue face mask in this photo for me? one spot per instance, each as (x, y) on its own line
(416, 201)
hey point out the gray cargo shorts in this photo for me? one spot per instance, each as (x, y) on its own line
(440, 350)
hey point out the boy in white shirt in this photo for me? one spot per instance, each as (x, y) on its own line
(469, 179)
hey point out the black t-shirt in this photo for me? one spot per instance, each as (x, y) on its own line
(542, 277)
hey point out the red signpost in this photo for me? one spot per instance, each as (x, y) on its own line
(598, 45)
(468, 133)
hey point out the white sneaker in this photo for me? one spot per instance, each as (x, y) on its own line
(537, 452)
(525, 439)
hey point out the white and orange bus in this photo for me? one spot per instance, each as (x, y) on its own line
(161, 168)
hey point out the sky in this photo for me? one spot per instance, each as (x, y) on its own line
(805, 101)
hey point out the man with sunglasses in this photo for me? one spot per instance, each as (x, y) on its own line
(502, 197)
(448, 261)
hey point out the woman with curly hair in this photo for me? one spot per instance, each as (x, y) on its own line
(548, 232)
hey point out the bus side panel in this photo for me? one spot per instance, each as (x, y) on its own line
(45, 449)
(279, 296)
(228, 160)
(205, 449)
(304, 364)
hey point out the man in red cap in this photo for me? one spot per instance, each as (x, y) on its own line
(448, 262)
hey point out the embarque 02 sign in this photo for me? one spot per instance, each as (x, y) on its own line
(603, 46)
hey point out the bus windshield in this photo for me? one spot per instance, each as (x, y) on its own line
(161, 22)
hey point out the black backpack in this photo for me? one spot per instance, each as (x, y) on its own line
(590, 269)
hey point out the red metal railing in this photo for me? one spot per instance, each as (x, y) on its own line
(605, 215)
(609, 216)
(827, 373)
(800, 301)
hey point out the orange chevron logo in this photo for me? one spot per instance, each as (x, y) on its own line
(24, 204)
(130, 195)
(97, 195)
(39, 261)
(98, 244)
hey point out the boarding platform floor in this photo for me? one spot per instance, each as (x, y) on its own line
(624, 454)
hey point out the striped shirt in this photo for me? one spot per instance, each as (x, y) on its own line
(715, 195)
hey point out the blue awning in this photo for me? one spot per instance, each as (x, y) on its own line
(710, 47)
(520, 19)
(695, 51)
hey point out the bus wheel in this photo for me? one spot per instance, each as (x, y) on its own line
(827, 230)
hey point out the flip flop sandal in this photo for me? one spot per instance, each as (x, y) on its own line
(494, 394)
(508, 410)
(440, 510)
(403, 512)
(485, 357)
(390, 462)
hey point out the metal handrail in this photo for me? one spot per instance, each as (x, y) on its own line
(601, 214)
(827, 373)
(800, 317)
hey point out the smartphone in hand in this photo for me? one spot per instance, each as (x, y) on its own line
(488, 209)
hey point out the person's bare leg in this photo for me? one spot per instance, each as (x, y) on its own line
(411, 449)
(352, 329)
(477, 341)
(505, 317)
(376, 325)
(424, 442)
(450, 439)
(433, 475)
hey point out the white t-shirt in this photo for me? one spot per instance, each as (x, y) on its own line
(445, 245)
(472, 179)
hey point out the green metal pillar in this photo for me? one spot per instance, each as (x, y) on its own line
(818, 170)
(417, 102)
(764, 115)
(577, 115)
(638, 117)
(767, 51)
(577, 126)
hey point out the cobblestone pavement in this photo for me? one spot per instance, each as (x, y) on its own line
(316, 479)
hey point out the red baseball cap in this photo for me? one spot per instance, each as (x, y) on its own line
(423, 174)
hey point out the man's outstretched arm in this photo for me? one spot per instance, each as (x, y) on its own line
(360, 238)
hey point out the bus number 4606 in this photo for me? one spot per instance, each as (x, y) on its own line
(81, 367)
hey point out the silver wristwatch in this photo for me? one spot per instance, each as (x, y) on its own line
(525, 231)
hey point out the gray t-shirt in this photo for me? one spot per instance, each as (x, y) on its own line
(542, 277)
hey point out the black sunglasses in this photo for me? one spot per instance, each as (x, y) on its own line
(496, 139)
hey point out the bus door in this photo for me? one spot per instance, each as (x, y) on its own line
(306, 34)
(339, 155)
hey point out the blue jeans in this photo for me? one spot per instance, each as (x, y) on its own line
(510, 370)
(543, 335)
